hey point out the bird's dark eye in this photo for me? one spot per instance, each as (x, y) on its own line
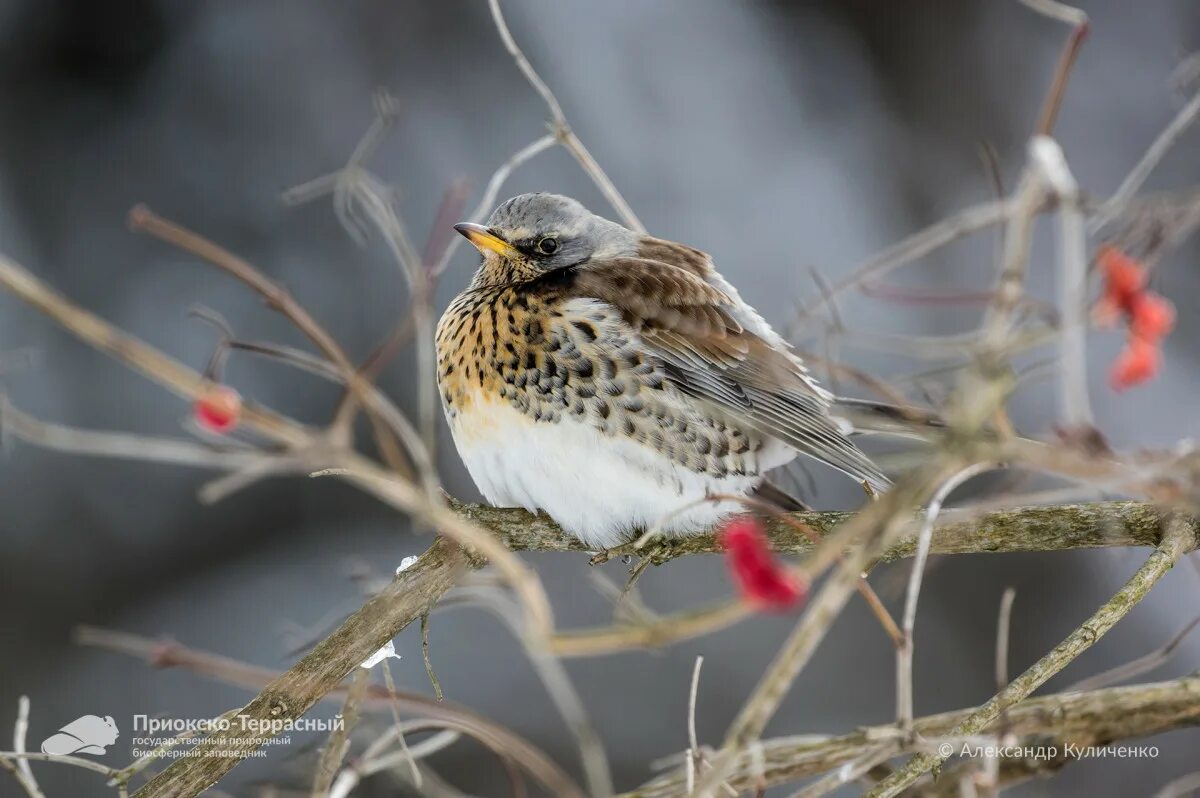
(548, 245)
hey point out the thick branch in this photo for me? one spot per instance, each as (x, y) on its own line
(289, 696)
(381, 698)
(1049, 528)
(1081, 719)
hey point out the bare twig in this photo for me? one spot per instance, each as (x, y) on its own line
(142, 219)
(1003, 624)
(23, 772)
(122, 445)
(339, 738)
(965, 222)
(137, 355)
(849, 772)
(62, 759)
(1078, 20)
(904, 652)
(490, 194)
(558, 684)
(1138, 666)
(693, 753)
(229, 671)
(429, 671)
(1093, 718)
(1003, 639)
(1178, 539)
(1075, 410)
(559, 126)
(1125, 193)
(878, 525)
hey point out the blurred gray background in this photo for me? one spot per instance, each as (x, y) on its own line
(779, 136)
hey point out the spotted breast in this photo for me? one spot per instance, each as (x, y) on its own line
(554, 406)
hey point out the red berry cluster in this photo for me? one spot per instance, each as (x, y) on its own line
(1148, 316)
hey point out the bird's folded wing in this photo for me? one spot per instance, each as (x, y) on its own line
(691, 327)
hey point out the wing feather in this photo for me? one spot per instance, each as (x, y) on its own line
(717, 349)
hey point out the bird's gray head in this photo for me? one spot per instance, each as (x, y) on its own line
(532, 234)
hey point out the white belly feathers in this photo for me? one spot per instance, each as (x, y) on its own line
(600, 489)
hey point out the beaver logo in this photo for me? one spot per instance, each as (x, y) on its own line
(90, 734)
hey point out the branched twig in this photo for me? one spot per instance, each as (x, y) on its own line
(168, 654)
(1117, 203)
(1078, 20)
(1082, 719)
(488, 202)
(559, 126)
(21, 770)
(904, 651)
(1178, 539)
(1075, 410)
(918, 245)
(1138, 666)
(142, 219)
(339, 739)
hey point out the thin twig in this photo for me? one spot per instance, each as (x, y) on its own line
(558, 685)
(849, 772)
(561, 129)
(429, 671)
(397, 726)
(1078, 20)
(24, 773)
(1075, 410)
(878, 525)
(904, 652)
(693, 753)
(1138, 666)
(62, 759)
(1003, 624)
(490, 194)
(1091, 718)
(1178, 538)
(339, 738)
(1115, 205)
(229, 671)
(918, 245)
(142, 219)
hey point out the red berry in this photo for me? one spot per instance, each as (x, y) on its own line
(1124, 277)
(760, 578)
(218, 409)
(1138, 362)
(1151, 317)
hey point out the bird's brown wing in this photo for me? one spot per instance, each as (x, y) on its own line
(691, 327)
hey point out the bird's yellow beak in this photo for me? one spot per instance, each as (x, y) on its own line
(484, 239)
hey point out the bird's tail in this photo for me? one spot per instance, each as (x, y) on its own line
(865, 417)
(780, 498)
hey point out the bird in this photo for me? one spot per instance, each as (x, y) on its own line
(618, 383)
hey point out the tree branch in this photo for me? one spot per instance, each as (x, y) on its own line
(290, 695)
(1180, 538)
(1050, 528)
(1080, 719)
